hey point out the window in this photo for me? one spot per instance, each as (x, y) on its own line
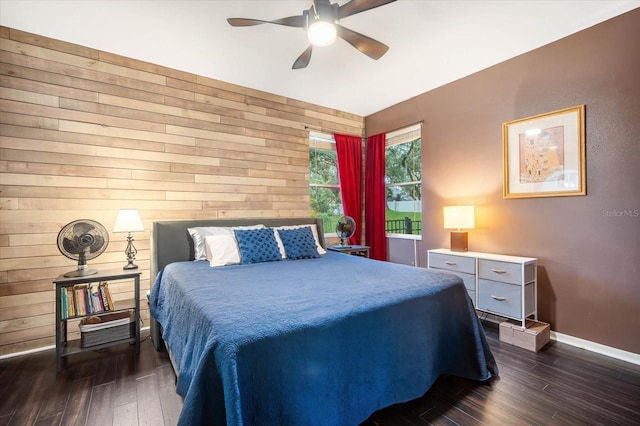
(403, 181)
(324, 185)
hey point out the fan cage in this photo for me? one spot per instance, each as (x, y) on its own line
(82, 240)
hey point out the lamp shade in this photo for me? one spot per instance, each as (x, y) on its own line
(459, 217)
(128, 221)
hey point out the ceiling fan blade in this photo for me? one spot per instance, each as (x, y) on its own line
(242, 22)
(357, 6)
(370, 47)
(303, 60)
(291, 21)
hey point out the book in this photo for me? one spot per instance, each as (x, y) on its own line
(109, 300)
(63, 303)
(77, 293)
(97, 304)
(103, 297)
(71, 311)
(83, 296)
(87, 295)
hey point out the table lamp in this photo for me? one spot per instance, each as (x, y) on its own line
(459, 217)
(129, 221)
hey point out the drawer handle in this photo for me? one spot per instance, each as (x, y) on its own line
(499, 298)
(499, 271)
(449, 262)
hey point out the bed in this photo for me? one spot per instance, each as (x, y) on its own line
(325, 340)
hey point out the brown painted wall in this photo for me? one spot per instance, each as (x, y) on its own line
(589, 273)
(84, 133)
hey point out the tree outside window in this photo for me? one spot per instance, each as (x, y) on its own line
(324, 185)
(403, 181)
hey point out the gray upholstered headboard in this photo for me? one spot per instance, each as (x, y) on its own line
(170, 240)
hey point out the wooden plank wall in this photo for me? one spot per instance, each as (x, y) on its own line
(85, 133)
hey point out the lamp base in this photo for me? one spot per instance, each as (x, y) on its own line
(459, 241)
(131, 252)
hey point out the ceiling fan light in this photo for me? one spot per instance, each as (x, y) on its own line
(321, 33)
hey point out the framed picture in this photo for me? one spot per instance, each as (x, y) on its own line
(544, 155)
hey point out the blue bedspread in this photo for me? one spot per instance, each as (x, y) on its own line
(324, 341)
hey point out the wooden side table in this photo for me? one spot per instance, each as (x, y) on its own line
(351, 249)
(65, 348)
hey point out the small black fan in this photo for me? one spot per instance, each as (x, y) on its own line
(345, 228)
(82, 240)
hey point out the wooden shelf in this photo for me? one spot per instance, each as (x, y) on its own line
(100, 276)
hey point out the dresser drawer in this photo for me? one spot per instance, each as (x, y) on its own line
(468, 279)
(453, 263)
(472, 295)
(500, 298)
(495, 270)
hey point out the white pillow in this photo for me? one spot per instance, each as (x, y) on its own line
(222, 250)
(314, 231)
(199, 234)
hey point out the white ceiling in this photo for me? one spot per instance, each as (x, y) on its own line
(431, 42)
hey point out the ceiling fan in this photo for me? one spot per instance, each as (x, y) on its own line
(321, 21)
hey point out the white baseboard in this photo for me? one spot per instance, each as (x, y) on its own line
(577, 342)
(27, 352)
(44, 348)
(596, 347)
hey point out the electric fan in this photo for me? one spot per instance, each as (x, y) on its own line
(323, 16)
(82, 240)
(345, 228)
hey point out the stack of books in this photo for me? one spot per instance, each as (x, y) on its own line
(83, 299)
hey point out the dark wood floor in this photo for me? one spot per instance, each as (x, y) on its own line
(561, 385)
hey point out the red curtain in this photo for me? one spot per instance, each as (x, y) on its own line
(375, 197)
(349, 150)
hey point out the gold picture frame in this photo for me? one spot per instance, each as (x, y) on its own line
(544, 155)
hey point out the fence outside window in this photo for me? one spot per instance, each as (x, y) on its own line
(403, 226)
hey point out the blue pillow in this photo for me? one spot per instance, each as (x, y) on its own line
(299, 243)
(257, 245)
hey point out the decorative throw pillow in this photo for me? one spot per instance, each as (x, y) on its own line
(299, 243)
(222, 250)
(257, 245)
(314, 231)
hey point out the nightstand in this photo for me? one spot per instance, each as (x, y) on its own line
(64, 347)
(351, 249)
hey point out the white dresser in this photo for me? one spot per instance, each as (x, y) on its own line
(498, 284)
